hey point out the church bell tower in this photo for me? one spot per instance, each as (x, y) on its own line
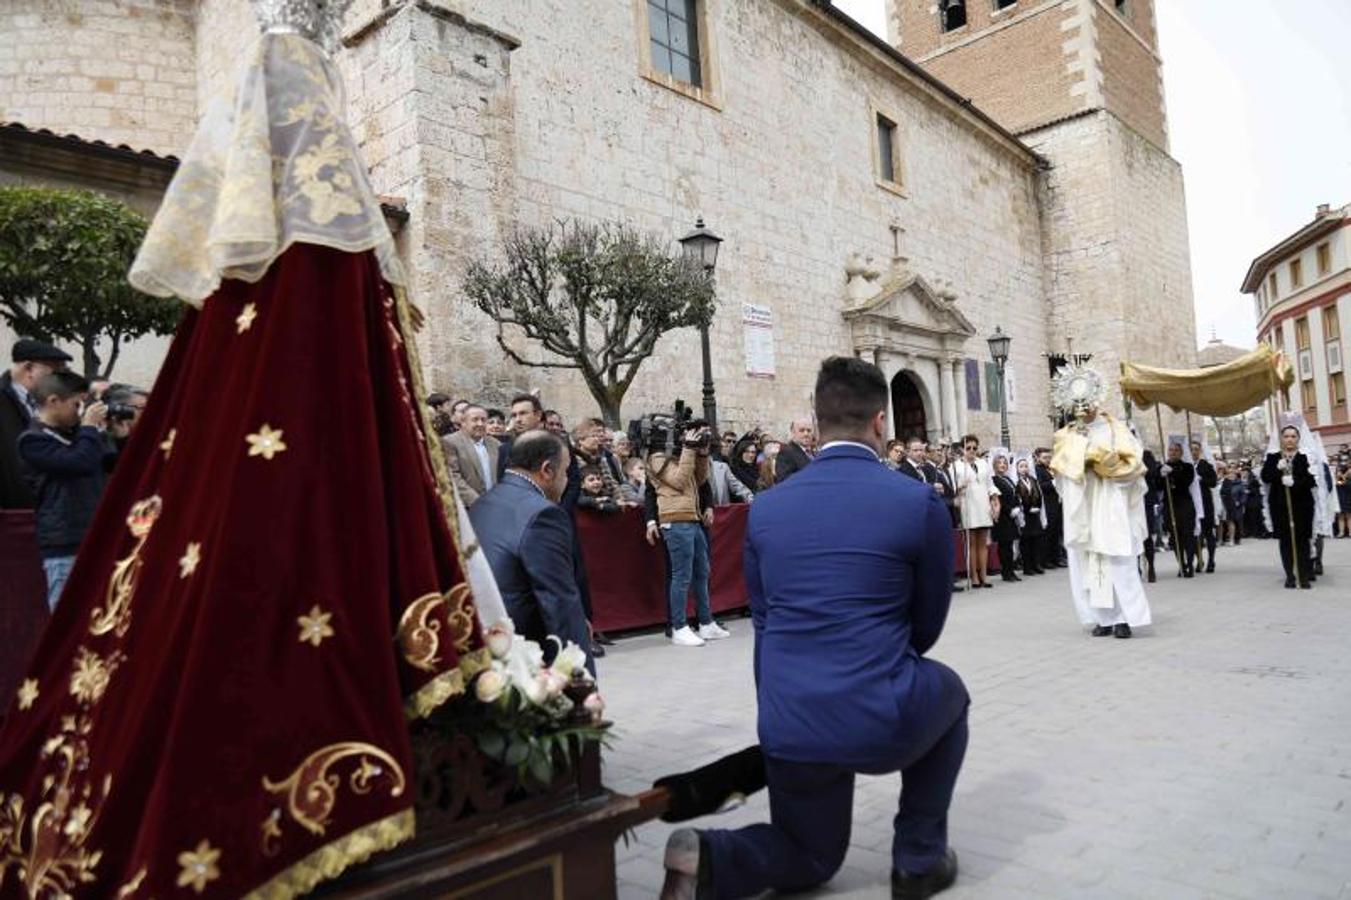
(1080, 82)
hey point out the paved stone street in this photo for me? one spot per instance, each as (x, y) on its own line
(1210, 757)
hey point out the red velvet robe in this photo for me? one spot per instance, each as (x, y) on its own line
(269, 591)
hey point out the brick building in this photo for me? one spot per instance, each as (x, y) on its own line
(1301, 288)
(897, 200)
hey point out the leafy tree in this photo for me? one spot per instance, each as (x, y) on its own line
(64, 257)
(597, 297)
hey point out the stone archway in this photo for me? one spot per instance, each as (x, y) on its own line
(907, 408)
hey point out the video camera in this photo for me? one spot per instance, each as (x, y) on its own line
(664, 432)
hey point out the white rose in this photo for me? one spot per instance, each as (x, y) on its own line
(1288, 480)
(499, 638)
(489, 685)
(1282, 463)
(553, 683)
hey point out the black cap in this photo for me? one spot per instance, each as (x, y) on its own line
(437, 399)
(29, 350)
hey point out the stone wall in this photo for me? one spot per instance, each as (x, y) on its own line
(1131, 78)
(120, 71)
(1115, 237)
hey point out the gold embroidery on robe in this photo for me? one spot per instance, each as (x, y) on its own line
(311, 791)
(115, 614)
(419, 634)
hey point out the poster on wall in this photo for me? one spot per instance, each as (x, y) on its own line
(758, 327)
(972, 385)
(1010, 389)
(991, 387)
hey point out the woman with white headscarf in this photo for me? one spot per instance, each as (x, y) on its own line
(1289, 485)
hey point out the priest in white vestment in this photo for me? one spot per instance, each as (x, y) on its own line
(1100, 474)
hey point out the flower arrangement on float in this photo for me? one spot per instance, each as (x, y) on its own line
(533, 717)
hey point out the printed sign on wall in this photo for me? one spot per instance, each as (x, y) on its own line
(972, 385)
(758, 327)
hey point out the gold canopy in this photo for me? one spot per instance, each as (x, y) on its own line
(1224, 390)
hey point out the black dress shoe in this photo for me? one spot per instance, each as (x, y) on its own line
(1188, 573)
(597, 651)
(1306, 585)
(1121, 630)
(1151, 575)
(905, 886)
(985, 584)
(707, 789)
(1210, 568)
(1102, 630)
(1011, 577)
(601, 638)
(1289, 581)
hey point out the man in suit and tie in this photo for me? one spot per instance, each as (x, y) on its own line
(797, 453)
(472, 455)
(527, 539)
(31, 360)
(845, 606)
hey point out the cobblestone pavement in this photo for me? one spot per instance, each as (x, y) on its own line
(1208, 757)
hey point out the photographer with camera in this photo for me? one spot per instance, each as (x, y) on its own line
(64, 453)
(124, 403)
(677, 473)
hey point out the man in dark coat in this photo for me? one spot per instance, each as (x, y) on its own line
(796, 453)
(1287, 475)
(1210, 479)
(1175, 478)
(1053, 542)
(31, 360)
(527, 538)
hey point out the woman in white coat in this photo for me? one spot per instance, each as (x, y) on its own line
(978, 500)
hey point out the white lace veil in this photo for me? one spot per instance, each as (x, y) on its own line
(1026, 456)
(1311, 447)
(272, 164)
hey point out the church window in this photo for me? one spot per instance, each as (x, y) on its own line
(1296, 274)
(1271, 288)
(952, 14)
(673, 36)
(886, 149)
(1324, 253)
(1004, 4)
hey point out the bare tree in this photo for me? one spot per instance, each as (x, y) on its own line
(596, 297)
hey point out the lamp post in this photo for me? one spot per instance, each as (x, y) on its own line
(999, 350)
(701, 247)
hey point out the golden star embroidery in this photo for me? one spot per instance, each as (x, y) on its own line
(167, 445)
(199, 867)
(244, 320)
(266, 442)
(314, 627)
(191, 557)
(28, 693)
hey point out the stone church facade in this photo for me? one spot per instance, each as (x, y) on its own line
(897, 200)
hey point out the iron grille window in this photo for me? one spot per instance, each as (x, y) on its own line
(673, 32)
(952, 14)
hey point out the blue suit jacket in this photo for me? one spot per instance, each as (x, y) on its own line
(528, 543)
(849, 569)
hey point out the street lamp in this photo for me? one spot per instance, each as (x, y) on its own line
(999, 350)
(701, 247)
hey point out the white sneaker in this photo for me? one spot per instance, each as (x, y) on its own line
(684, 637)
(713, 632)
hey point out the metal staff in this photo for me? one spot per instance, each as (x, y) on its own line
(1168, 490)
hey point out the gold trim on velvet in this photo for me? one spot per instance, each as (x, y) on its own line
(334, 858)
(419, 634)
(115, 614)
(311, 790)
(424, 701)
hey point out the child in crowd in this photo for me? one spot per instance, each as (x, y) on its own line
(632, 490)
(593, 494)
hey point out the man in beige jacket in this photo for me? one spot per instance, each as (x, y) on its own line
(677, 479)
(472, 455)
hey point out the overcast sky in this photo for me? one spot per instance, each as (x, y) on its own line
(1259, 115)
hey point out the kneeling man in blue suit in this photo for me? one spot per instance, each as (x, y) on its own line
(849, 571)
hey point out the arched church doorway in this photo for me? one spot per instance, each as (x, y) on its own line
(907, 407)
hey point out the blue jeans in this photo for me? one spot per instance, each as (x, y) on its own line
(58, 570)
(688, 547)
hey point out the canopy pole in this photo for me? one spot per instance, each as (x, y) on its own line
(1168, 490)
(1188, 414)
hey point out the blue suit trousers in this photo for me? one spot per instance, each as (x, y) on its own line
(811, 806)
